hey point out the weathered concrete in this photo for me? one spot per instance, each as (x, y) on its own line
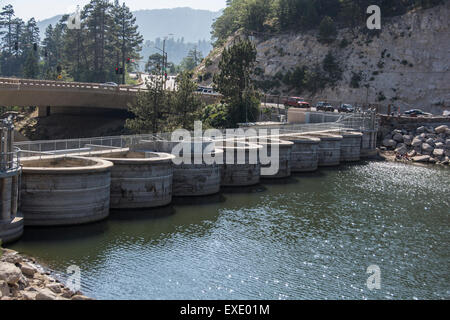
(283, 159)
(329, 149)
(192, 176)
(11, 230)
(369, 143)
(241, 163)
(59, 190)
(11, 224)
(350, 145)
(304, 154)
(139, 179)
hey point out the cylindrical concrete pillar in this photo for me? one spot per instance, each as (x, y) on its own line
(5, 185)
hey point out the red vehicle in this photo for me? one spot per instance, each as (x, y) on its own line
(296, 102)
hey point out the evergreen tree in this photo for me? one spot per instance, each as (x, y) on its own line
(233, 81)
(126, 38)
(327, 30)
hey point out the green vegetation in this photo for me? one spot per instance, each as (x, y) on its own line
(355, 80)
(267, 16)
(327, 30)
(158, 110)
(192, 60)
(107, 39)
(234, 82)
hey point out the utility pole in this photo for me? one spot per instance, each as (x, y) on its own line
(164, 64)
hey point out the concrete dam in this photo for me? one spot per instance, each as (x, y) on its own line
(73, 182)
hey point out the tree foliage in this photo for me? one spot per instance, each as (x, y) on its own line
(107, 38)
(234, 82)
(158, 110)
(299, 15)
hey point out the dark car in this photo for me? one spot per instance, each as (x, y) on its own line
(296, 102)
(416, 112)
(346, 108)
(324, 106)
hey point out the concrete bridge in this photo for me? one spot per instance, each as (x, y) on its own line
(68, 97)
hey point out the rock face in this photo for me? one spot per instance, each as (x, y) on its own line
(425, 144)
(20, 280)
(410, 54)
(9, 273)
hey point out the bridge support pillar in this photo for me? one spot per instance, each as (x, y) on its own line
(43, 111)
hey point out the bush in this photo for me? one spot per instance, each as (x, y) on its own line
(356, 79)
(327, 30)
(215, 116)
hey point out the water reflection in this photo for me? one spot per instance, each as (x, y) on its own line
(310, 236)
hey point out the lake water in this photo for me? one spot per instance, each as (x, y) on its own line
(311, 236)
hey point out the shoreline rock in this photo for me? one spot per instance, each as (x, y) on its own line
(22, 279)
(424, 145)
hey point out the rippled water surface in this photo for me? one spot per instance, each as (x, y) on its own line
(308, 237)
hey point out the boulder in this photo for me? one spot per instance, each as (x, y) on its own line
(422, 136)
(441, 129)
(45, 294)
(28, 270)
(438, 153)
(447, 143)
(407, 139)
(412, 153)
(420, 130)
(416, 142)
(9, 273)
(398, 137)
(427, 148)
(439, 145)
(389, 143)
(55, 287)
(402, 150)
(430, 130)
(29, 295)
(421, 158)
(4, 289)
(430, 141)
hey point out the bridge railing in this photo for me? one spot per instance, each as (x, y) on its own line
(11, 82)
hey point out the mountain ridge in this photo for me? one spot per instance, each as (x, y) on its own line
(183, 22)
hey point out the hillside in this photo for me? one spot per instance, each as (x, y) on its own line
(406, 63)
(191, 24)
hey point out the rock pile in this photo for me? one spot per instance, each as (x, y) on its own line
(425, 144)
(21, 279)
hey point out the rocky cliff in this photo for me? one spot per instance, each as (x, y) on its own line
(406, 63)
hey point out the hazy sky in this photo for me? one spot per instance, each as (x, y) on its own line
(43, 9)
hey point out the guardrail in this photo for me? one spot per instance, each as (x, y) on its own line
(363, 121)
(26, 83)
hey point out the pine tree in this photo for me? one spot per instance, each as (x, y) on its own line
(126, 38)
(233, 81)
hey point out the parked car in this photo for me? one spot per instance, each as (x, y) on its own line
(296, 102)
(324, 106)
(346, 108)
(110, 84)
(416, 112)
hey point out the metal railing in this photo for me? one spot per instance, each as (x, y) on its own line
(366, 121)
